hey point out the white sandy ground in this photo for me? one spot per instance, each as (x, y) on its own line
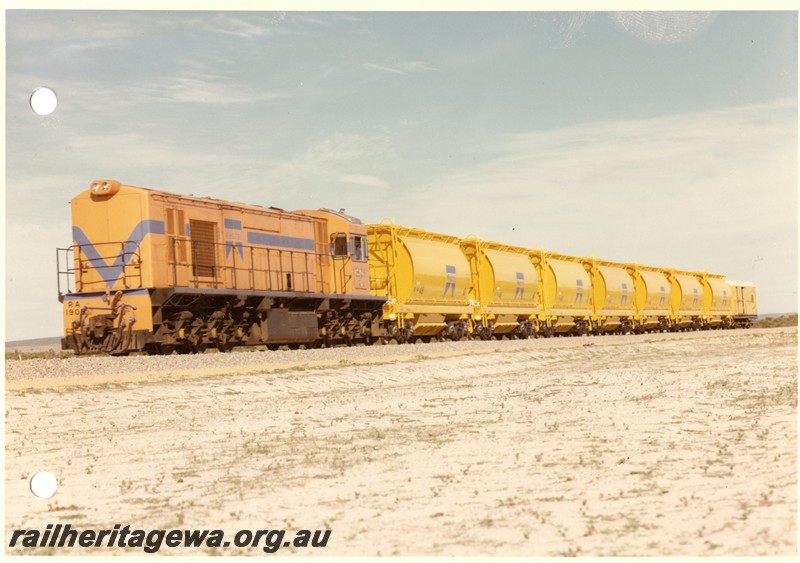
(655, 445)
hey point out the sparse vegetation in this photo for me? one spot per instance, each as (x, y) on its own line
(48, 355)
(656, 446)
(777, 321)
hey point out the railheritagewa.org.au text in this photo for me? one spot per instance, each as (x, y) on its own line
(151, 541)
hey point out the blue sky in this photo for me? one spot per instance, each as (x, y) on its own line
(667, 139)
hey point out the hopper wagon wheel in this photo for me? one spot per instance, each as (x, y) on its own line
(224, 347)
(294, 346)
(407, 333)
(273, 347)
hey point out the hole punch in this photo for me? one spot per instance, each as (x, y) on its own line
(43, 484)
(43, 101)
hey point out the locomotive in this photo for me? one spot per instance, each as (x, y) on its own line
(157, 272)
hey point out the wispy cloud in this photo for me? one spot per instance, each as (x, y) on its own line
(365, 180)
(406, 67)
(341, 148)
(243, 27)
(71, 43)
(253, 25)
(214, 90)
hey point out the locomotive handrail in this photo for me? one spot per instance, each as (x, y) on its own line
(66, 273)
(236, 267)
(106, 258)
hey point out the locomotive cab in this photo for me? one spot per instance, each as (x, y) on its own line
(345, 268)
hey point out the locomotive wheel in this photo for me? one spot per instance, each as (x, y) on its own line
(189, 348)
(165, 349)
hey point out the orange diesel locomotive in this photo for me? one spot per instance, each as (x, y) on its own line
(160, 272)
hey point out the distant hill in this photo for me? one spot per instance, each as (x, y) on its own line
(35, 345)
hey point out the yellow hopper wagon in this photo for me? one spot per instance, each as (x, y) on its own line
(426, 281)
(566, 294)
(613, 297)
(505, 289)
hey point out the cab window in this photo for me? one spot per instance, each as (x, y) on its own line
(359, 248)
(339, 245)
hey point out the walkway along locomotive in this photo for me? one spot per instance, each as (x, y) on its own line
(159, 272)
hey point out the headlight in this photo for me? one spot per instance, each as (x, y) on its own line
(477, 317)
(392, 316)
(104, 187)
